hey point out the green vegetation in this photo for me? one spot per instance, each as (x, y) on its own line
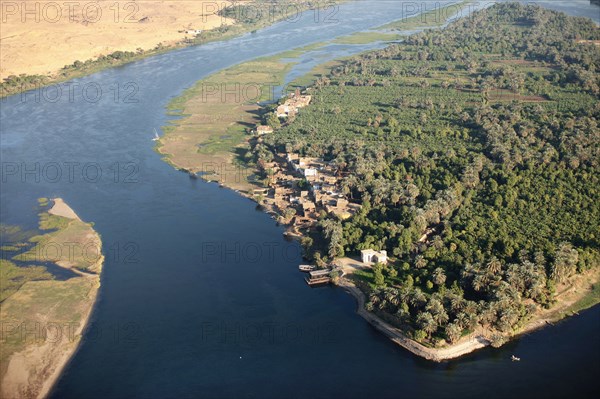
(247, 20)
(218, 117)
(591, 298)
(70, 243)
(12, 277)
(15, 84)
(367, 37)
(31, 296)
(474, 154)
(14, 234)
(49, 304)
(52, 222)
(432, 17)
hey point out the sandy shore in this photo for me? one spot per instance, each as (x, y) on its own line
(60, 208)
(570, 295)
(65, 356)
(32, 371)
(451, 352)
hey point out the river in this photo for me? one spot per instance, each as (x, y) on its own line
(200, 292)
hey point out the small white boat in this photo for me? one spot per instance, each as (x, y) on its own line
(156, 136)
(515, 359)
(306, 268)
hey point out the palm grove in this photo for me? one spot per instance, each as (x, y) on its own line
(474, 152)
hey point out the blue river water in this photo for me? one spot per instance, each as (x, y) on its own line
(200, 292)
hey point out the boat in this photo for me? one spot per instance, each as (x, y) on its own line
(306, 268)
(318, 277)
(515, 359)
(156, 136)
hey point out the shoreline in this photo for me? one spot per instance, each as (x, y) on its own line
(464, 346)
(37, 367)
(467, 344)
(234, 30)
(61, 208)
(398, 337)
(66, 358)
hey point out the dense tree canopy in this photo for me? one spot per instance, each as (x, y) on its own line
(474, 152)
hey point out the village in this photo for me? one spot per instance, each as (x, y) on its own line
(301, 189)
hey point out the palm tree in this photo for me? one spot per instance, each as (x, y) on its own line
(456, 303)
(391, 295)
(565, 261)
(453, 332)
(427, 323)
(494, 266)
(439, 277)
(418, 298)
(420, 262)
(374, 297)
(479, 282)
(509, 318)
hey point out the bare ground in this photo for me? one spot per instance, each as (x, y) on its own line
(43, 41)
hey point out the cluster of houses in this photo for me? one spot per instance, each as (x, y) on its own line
(291, 106)
(306, 185)
(300, 188)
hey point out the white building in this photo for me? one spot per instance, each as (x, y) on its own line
(261, 130)
(310, 172)
(370, 256)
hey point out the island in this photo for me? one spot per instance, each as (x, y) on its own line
(49, 287)
(449, 181)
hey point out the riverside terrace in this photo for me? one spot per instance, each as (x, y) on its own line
(300, 189)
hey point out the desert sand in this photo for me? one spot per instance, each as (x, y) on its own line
(41, 37)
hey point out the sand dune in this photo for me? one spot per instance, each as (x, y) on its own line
(41, 37)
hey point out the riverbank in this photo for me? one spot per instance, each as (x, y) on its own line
(43, 44)
(150, 30)
(581, 293)
(276, 187)
(218, 115)
(217, 118)
(45, 318)
(464, 346)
